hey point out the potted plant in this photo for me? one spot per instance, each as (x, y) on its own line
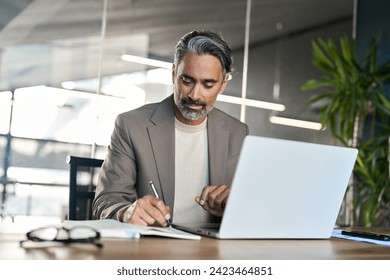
(354, 106)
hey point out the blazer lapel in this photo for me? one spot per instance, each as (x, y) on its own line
(162, 139)
(218, 138)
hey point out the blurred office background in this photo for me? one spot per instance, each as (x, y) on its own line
(69, 67)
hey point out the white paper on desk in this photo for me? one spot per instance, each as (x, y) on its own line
(337, 234)
(113, 228)
(107, 228)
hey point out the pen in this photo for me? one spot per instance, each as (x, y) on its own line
(369, 235)
(156, 195)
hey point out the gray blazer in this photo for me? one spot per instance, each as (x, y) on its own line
(142, 149)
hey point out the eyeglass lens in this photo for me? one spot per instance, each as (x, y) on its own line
(53, 233)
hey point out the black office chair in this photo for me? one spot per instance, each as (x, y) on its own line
(82, 186)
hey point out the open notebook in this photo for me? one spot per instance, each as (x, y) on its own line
(113, 229)
(283, 189)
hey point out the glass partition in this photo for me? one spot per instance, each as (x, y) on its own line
(40, 49)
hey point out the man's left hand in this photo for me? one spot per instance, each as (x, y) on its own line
(213, 199)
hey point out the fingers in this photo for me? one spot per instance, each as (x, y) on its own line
(150, 211)
(213, 199)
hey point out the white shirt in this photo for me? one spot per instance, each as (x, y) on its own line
(191, 171)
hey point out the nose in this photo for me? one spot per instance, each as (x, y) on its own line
(196, 91)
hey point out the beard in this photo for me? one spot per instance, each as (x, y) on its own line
(191, 114)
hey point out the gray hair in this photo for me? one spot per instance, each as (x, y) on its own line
(205, 42)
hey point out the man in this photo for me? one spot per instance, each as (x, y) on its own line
(186, 147)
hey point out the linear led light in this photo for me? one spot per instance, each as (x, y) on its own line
(146, 61)
(68, 85)
(251, 102)
(296, 123)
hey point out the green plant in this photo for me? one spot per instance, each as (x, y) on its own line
(357, 111)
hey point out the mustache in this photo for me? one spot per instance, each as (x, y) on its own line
(189, 101)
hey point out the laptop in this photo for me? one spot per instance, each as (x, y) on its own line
(283, 189)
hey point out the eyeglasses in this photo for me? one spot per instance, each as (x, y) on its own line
(77, 234)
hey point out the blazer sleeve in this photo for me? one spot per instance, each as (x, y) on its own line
(117, 179)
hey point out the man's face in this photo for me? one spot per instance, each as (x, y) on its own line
(198, 79)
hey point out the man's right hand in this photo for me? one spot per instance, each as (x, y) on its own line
(149, 210)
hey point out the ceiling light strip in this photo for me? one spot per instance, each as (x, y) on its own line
(251, 102)
(296, 123)
(146, 61)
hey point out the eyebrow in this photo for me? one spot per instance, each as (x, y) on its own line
(204, 81)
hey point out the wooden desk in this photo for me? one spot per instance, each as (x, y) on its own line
(210, 249)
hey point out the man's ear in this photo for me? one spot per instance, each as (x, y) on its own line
(173, 73)
(224, 84)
